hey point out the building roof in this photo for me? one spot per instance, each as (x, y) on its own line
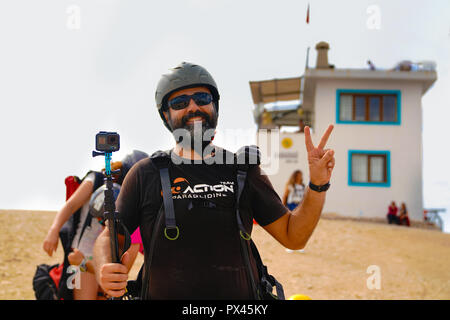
(267, 91)
(426, 77)
(301, 90)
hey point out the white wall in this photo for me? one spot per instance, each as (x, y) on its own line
(280, 173)
(404, 142)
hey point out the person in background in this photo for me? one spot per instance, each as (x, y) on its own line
(83, 240)
(403, 216)
(77, 258)
(294, 191)
(392, 213)
(301, 126)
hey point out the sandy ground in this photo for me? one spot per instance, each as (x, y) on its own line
(343, 259)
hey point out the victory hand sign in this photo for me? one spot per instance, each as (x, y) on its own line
(321, 161)
(295, 228)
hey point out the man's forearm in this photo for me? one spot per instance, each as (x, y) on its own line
(304, 218)
(102, 251)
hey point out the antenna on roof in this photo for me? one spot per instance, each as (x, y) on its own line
(307, 58)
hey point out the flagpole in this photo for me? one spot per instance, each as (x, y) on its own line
(307, 50)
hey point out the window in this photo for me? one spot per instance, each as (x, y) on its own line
(368, 106)
(369, 168)
(389, 106)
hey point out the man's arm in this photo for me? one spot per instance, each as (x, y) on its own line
(285, 196)
(294, 229)
(76, 201)
(112, 277)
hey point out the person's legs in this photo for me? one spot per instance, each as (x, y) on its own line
(88, 287)
(389, 217)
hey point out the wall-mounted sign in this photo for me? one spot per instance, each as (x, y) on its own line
(286, 143)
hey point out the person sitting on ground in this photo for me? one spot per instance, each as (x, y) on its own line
(403, 217)
(392, 213)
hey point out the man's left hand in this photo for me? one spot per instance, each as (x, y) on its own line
(321, 161)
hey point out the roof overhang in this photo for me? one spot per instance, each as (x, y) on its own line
(274, 90)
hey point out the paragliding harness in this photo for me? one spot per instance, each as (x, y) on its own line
(263, 289)
(50, 281)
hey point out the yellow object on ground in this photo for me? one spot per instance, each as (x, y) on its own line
(299, 297)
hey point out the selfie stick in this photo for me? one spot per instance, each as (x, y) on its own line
(110, 214)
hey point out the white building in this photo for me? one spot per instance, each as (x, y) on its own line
(377, 136)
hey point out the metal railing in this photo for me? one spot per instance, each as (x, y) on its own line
(432, 216)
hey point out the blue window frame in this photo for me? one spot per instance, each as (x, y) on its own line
(372, 107)
(369, 168)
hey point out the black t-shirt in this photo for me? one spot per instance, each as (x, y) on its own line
(205, 261)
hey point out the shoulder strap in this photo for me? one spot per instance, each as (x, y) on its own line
(267, 280)
(243, 164)
(161, 160)
(247, 157)
(98, 182)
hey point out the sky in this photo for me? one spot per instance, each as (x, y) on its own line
(69, 69)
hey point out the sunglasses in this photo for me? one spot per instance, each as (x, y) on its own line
(181, 102)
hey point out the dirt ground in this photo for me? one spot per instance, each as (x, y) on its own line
(344, 259)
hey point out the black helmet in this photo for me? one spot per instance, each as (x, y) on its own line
(97, 201)
(129, 161)
(185, 75)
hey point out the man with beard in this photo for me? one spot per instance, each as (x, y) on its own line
(203, 258)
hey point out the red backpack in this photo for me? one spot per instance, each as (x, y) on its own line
(72, 184)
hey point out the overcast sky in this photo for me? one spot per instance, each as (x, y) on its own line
(69, 69)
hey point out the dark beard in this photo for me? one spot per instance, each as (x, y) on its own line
(197, 135)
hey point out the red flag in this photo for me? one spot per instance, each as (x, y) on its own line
(307, 15)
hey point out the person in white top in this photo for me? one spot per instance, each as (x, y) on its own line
(83, 246)
(294, 191)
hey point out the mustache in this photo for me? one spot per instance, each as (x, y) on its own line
(197, 113)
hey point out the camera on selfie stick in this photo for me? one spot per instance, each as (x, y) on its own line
(106, 143)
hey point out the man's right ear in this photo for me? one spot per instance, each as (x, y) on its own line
(166, 117)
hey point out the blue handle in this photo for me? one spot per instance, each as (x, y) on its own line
(108, 156)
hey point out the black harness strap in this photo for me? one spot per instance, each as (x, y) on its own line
(246, 157)
(241, 177)
(267, 280)
(147, 265)
(244, 236)
(161, 160)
